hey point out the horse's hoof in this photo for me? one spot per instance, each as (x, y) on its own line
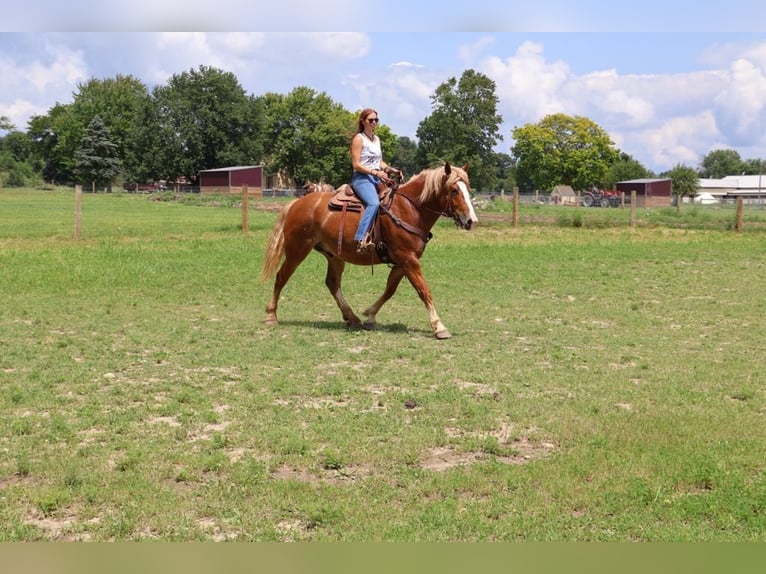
(370, 326)
(443, 334)
(270, 322)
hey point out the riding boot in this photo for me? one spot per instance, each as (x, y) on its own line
(364, 245)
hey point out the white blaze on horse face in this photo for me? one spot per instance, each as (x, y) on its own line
(467, 198)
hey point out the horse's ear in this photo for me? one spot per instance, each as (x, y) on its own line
(465, 167)
(447, 168)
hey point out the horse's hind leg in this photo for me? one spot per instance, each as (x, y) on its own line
(335, 267)
(293, 258)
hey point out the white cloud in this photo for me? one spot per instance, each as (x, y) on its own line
(342, 45)
(661, 120)
(469, 52)
(741, 106)
(37, 84)
(528, 87)
(680, 140)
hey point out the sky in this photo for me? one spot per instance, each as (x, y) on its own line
(668, 81)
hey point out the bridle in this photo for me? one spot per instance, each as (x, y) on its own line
(425, 236)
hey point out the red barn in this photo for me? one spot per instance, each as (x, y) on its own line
(231, 179)
(649, 192)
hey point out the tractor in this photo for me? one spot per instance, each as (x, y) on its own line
(601, 198)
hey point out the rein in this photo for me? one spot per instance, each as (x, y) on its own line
(425, 236)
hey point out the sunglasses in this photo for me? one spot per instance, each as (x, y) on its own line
(372, 120)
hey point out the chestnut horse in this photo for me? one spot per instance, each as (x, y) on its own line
(406, 217)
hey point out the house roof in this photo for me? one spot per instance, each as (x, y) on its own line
(645, 180)
(744, 181)
(232, 168)
(563, 190)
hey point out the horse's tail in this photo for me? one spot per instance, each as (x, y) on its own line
(275, 249)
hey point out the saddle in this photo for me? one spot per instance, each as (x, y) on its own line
(345, 199)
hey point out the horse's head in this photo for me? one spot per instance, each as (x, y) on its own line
(458, 188)
(310, 187)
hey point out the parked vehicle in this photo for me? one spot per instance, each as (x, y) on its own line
(601, 198)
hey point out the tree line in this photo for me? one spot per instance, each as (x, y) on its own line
(116, 130)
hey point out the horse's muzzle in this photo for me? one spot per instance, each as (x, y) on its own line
(464, 222)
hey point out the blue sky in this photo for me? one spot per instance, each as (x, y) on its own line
(665, 97)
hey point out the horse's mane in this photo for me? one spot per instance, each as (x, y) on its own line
(433, 178)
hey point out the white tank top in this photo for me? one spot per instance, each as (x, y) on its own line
(371, 154)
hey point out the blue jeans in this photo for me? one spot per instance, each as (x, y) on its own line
(365, 187)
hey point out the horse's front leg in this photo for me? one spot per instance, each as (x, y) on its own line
(335, 267)
(394, 277)
(414, 273)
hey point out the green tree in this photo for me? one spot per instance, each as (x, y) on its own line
(309, 136)
(720, 163)
(404, 156)
(18, 144)
(6, 125)
(56, 136)
(506, 172)
(754, 166)
(17, 163)
(685, 181)
(562, 149)
(119, 102)
(463, 128)
(623, 169)
(201, 119)
(97, 159)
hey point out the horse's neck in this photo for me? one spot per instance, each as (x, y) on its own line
(423, 215)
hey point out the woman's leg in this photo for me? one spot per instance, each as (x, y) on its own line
(364, 186)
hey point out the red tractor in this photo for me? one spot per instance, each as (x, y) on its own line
(601, 197)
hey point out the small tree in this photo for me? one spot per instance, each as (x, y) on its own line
(685, 182)
(96, 159)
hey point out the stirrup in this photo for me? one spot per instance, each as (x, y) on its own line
(364, 245)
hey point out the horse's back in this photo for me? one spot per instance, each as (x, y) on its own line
(308, 210)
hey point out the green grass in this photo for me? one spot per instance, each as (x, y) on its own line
(603, 383)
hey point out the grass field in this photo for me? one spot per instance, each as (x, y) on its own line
(604, 382)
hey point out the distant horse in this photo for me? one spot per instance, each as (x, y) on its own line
(405, 219)
(311, 187)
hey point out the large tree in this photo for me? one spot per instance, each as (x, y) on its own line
(309, 136)
(203, 119)
(97, 157)
(720, 163)
(119, 102)
(56, 136)
(623, 169)
(463, 127)
(562, 149)
(404, 156)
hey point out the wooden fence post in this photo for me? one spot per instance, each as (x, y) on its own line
(245, 222)
(515, 206)
(739, 214)
(632, 207)
(77, 211)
